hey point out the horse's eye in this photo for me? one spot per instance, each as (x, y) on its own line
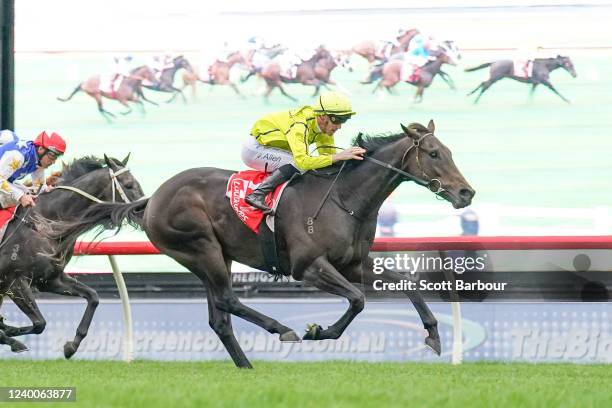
(433, 154)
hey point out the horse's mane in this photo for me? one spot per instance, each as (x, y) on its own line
(80, 167)
(374, 142)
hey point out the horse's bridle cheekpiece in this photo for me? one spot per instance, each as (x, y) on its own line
(422, 182)
(116, 187)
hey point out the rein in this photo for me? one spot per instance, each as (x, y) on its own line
(116, 187)
(405, 175)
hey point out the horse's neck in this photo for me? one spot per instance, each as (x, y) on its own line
(66, 204)
(435, 65)
(367, 186)
(549, 63)
(170, 72)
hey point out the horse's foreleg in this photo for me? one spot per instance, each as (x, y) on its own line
(67, 286)
(235, 88)
(447, 78)
(282, 89)
(429, 321)
(124, 103)
(418, 96)
(22, 296)
(324, 276)
(144, 98)
(552, 88)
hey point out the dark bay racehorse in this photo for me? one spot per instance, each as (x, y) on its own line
(129, 90)
(392, 74)
(189, 218)
(22, 264)
(540, 74)
(165, 81)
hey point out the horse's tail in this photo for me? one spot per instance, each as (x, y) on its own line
(481, 66)
(77, 89)
(103, 216)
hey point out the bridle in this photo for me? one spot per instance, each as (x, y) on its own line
(428, 182)
(117, 187)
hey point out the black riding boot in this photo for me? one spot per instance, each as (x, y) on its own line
(258, 197)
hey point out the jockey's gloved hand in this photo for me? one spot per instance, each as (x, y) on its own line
(352, 153)
(27, 200)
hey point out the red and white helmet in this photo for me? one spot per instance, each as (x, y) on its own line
(51, 141)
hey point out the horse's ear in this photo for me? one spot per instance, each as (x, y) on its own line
(109, 162)
(124, 161)
(64, 166)
(431, 126)
(410, 132)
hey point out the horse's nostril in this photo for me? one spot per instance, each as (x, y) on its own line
(466, 193)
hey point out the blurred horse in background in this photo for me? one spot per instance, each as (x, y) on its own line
(128, 90)
(421, 78)
(165, 82)
(315, 72)
(373, 52)
(218, 73)
(540, 74)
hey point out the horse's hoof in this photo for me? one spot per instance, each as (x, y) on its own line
(313, 332)
(18, 347)
(69, 349)
(290, 337)
(434, 344)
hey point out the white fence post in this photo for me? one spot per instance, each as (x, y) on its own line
(128, 336)
(457, 356)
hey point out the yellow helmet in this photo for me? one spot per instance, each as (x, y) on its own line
(333, 103)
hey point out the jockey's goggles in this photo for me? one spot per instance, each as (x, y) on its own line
(54, 154)
(338, 119)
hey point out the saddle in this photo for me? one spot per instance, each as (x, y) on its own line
(238, 187)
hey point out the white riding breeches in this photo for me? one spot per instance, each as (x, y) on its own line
(264, 158)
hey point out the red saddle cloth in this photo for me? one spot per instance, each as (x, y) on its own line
(6, 214)
(242, 184)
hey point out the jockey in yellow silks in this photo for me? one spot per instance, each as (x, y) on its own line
(280, 142)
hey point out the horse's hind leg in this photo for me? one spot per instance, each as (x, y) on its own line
(221, 323)
(22, 296)
(105, 114)
(67, 286)
(16, 346)
(483, 87)
(204, 259)
(429, 321)
(325, 277)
